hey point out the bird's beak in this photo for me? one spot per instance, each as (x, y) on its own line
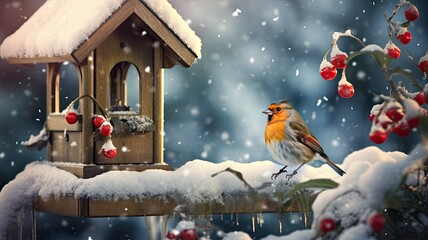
(267, 112)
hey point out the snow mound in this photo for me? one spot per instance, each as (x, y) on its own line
(371, 174)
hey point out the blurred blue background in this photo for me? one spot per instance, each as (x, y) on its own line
(254, 52)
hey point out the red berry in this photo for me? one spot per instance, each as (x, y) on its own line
(346, 90)
(106, 129)
(327, 225)
(188, 234)
(111, 153)
(71, 117)
(419, 98)
(378, 136)
(372, 116)
(377, 222)
(413, 122)
(423, 66)
(339, 60)
(411, 13)
(328, 73)
(404, 37)
(98, 120)
(395, 114)
(402, 129)
(392, 50)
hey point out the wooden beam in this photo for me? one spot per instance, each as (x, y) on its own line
(172, 41)
(83, 207)
(36, 60)
(104, 31)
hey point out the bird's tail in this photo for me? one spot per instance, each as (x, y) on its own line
(335, 167)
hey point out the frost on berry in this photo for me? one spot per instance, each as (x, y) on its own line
(345, 89)
(106, 129)
(419, 98)
(338, 58)
(411, 13)
(423, 64)
(98, 120)
(108, 149)
(392, 50)
(377, 134)
(327, 70)
(394, 111)
(412, 108)
(404, 36)
(375, 110)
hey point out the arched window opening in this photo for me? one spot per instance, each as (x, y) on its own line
(65, 86)
(125, 88)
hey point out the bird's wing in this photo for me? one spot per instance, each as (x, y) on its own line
(304, 136)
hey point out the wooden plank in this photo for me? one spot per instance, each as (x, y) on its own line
(56, 122)
(158, 106)
(67, 206)
(241, 203)
(65, 149)
(36, 60)
(104, 31)
(86, 87)
(174, 43)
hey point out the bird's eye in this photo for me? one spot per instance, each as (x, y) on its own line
(278, 109)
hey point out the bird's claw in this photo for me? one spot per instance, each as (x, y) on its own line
(275, 175)
(289, 176)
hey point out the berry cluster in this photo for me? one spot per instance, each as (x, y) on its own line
(398, 116)
(400, 112)
(340, 59)
(99, 122)
(185, 230)
(376, 221)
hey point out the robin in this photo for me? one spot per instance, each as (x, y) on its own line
(289, 139)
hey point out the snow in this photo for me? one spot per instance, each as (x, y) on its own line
(423, 59)
(372, 48)
(336, 35)
(37, 142)
(412, 108)
(132, 124)
(60, 26)
(335, 51)
(325, 64)
(371, 173)
(236, 236)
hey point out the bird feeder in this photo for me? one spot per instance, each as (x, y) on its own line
(103, 39)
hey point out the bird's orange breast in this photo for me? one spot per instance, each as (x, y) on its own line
(275, 131)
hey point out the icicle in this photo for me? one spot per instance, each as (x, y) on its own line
(221, 216)
(253, 223)
(237, 219)
(280, 226)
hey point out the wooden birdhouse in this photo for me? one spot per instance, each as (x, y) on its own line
(103, 40)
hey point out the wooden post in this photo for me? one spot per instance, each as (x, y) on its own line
(158, 106)
(86, 87)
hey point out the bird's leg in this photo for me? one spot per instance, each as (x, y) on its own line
(275, 175)
(289, 176)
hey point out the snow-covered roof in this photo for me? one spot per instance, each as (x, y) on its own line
(59, 27)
